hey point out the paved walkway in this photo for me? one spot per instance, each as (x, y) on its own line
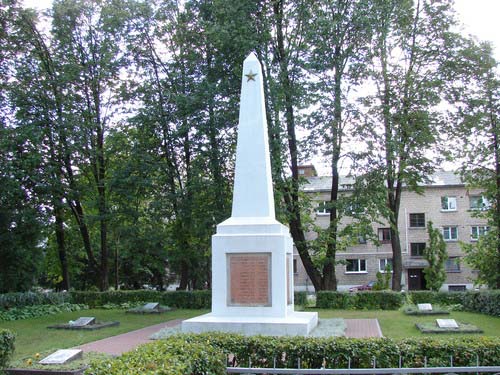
(116, 345)
(362, 328)
(125, 342)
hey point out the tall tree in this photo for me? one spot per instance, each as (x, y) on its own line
(474, 130)
(435, 254)
(401, 129)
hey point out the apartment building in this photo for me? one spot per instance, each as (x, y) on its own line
(445, 201)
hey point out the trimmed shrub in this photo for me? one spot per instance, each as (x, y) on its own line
(10, 300)
(18, 313)
(384, 300)
(169, 357)
(7, 339)
(438, 298)
(300, 298)
(198, 299)
(206, 353)
(487, 302)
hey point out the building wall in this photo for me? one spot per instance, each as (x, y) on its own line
(429, 204)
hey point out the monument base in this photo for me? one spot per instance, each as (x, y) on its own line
(295, 324)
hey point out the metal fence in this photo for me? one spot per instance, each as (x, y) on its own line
(365, 371)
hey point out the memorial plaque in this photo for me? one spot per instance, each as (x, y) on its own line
(424, 307)
(62, 356)
(249, 278)
(151, 306)
(83, 321)
(447, 323)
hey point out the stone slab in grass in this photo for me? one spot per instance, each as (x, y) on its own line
(149, 308)
(91, 327)
(62, 356)
(29, 366)
(434, 328)
(414, 310)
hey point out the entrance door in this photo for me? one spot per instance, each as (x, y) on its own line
(416, 280)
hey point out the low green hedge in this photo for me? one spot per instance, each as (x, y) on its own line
(10, 300)
(167, 357)
(19, 313)
(7, 339)
(206, 353)
(437, 298)
(384, 300)
(198, 299)
(487, 302)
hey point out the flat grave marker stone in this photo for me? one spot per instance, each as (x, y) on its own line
(446, 323)
(151, 306)
(83, 321)
(424, 307)
(62, 356)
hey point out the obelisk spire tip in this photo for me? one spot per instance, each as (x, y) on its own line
(252, 57)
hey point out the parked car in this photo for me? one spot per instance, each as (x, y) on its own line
(368, 286)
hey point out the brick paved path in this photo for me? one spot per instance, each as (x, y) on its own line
(361, 328)
(116, 345)
(125, 342)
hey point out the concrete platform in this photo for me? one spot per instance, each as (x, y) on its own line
(295, 324)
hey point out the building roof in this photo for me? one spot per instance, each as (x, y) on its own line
(324, 183)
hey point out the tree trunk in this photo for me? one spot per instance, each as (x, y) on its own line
(61, 246)
(292, 201)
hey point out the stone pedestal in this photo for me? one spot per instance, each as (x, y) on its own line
(252, 253)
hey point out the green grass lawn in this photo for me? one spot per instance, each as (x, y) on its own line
(32, 335)
(395, 324)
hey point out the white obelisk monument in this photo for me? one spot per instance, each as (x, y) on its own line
(252, 253)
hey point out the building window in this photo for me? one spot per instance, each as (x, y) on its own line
(355, 265)
(450, 233)
(302, 172)
(448, 203)
(362, 240)
(384, 235)
(382, 263)
(323, 208)
(417, 220)
(295, 267)
(417, 249)
(478, 202)
(452, 264)
(477, 230)
(456, 288)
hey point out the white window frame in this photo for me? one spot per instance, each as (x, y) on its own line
(359, 265)
(380, 232)
(384, 261)
(417, 256)
(485, 204)
(324, 211)
(449, 229)
(450, 203)
(477, 231)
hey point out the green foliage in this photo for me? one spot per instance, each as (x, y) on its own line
(383, 280)
(10, 300)
(300, 298)
(435, 254)
(7, 339)
(198, 299)
(169, 357)
(436, 310)
(384, 300)
(19, 313)
(484, 257)
(483, 302)
(210, 350)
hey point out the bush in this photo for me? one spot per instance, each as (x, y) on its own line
(169, 357)
(384, 300)
(7, 339)
(483, 302)
(206, 353)
(438, 298)
(10, 300)
(198, 299)
(300, 298)
(18, 313)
